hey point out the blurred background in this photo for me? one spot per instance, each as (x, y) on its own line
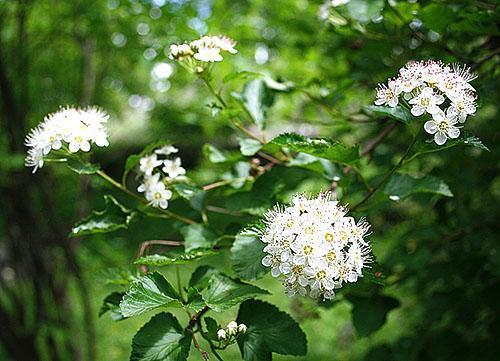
(441, 255)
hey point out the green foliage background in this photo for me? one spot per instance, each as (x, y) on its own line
(440, 255)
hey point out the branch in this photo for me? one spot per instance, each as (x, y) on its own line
(372, 144)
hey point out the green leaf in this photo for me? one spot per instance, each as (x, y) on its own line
(114, 216)
(246, 256)
(323, 148)
(398, 113)
(81, 167)
(201, 276)
(374, 274)
(402, 185)
(370, 313)
(268, 330)
(437, 17)
(147, 293)
(198, 236)
(257, 98)
(223, 292)
(428, 146)
(195, 302)
(212, 327)
(161, 339)
(174, 257)
(364, 11)
(249, 147)
(116, 276)
(112, 304)
(194, 195)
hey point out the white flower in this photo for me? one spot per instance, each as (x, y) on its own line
(158, 195)
(180, 51)
(313, 246)
(388, 94)
(71, 127)
(463, 105)
(221, 334)
(242, 328)
(148, 181)
(34, 159)
(426, 101)
(173, 168)
(442, 126)
(232, 328)
(167, 150)
(226, 44)
(208, 54)
(148, 163)
(206, 49)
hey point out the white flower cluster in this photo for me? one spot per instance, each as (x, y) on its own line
(206, 49)
(313, 246)
(232, 330)
(154, 178)
(435, 88)
(69, 129)
(324, 10)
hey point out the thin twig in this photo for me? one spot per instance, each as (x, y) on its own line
(388, 175)
(204, 354)
(372, 144)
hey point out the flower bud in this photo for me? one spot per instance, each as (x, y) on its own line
(221, 334)
(232, 328)
(242, 328)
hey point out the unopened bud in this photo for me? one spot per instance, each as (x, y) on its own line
(221, 334)
(242, 328)
(232, 328)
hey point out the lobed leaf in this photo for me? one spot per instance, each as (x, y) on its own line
(223, 292)
(111, 304)
(114, 216)
(268, 330)
(147, 293)
(161, 339)
(198, 236)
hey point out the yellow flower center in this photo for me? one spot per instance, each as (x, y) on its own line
(307, 249)
(425, 102)
(308, 230)
(443, 126)
(157, 195)
(329, 237)
(321, 274)
(331, 256)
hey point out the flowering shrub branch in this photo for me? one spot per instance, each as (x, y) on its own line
(310, 244)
